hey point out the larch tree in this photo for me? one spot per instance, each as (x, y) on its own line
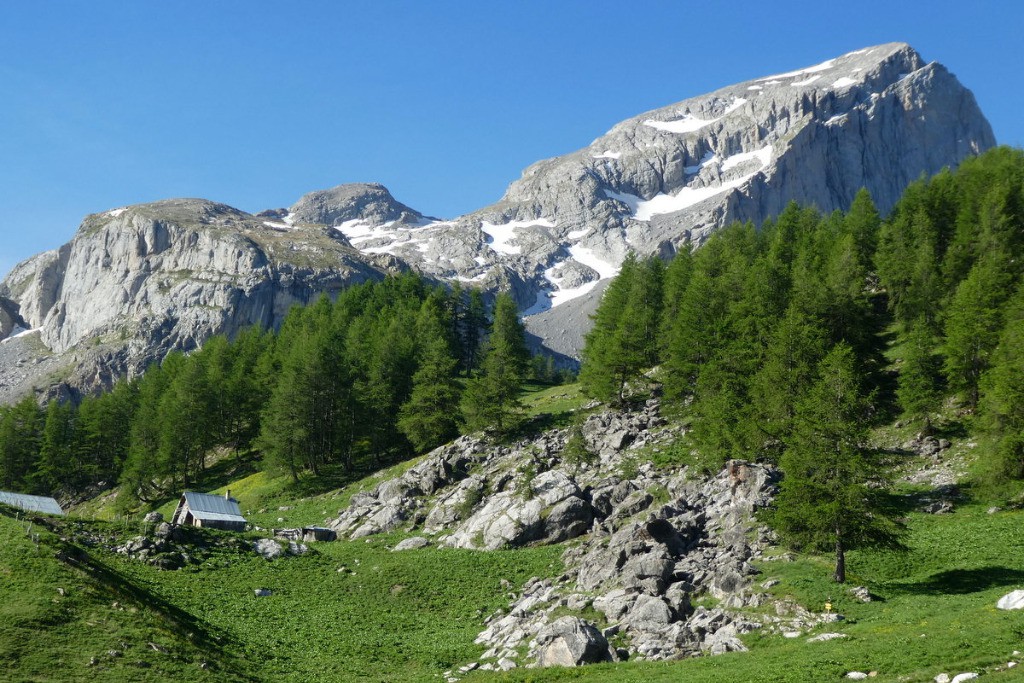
(491, 400)
(827, 500)
(428, 418)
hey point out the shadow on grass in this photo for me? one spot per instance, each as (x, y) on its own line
(107, 580)
(962, 581)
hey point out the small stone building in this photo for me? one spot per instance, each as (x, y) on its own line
(209, 511)
(22, 501)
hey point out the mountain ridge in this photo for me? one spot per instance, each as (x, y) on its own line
(660, 181)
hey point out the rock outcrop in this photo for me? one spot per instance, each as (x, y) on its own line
(140, 281)
(649, 543)
(136, 282)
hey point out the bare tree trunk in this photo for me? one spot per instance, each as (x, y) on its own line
(840, 573)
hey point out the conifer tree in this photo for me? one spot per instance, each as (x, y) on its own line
(825, 502)
(918, 390)
(186, 422)
(862, 222)
(787, 373)
(428, 418)
(491, 400)
(58, 466)
(21, 427)
(972, 327)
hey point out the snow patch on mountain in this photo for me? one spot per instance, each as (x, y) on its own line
(824, 66)
(764, 155)
(645, 209)
(690, 123)
(502, 235)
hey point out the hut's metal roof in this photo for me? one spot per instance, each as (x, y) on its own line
(210, 507)
(31, 503)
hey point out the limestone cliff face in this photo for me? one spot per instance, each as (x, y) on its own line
(877, 118)
(138, 281)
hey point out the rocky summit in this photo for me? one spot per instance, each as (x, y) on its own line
(136, 282)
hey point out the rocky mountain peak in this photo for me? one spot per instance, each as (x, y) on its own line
(366, 203)
(147, 278)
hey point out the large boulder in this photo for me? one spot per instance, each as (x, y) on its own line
(549, 507)
(268, 548)
(571, 641)
(1012, 600)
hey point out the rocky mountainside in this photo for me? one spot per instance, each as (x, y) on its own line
(137, 281)
(649, 543)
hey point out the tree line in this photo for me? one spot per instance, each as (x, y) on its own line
(771, 343)
(386, 370)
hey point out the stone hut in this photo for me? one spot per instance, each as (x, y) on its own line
(209, 511)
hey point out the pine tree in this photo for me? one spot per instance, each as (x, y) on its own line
(825, 501)
(491, 401)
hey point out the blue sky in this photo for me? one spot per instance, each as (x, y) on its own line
(254, 103)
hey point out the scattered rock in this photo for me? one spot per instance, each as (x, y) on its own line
(822, 637)
(153, 518)
(571, 641)
(938, 507)
(411, 544)
(960, 678)
(856, 675)
(861, 593)
(268, 548)
(1012, 600)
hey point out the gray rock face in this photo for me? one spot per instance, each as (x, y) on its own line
(662, 181)
(366, 202)
(10, 320)
(139, 281)
(645, 545)
(570, 641)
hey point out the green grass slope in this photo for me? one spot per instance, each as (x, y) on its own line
(67, 617)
